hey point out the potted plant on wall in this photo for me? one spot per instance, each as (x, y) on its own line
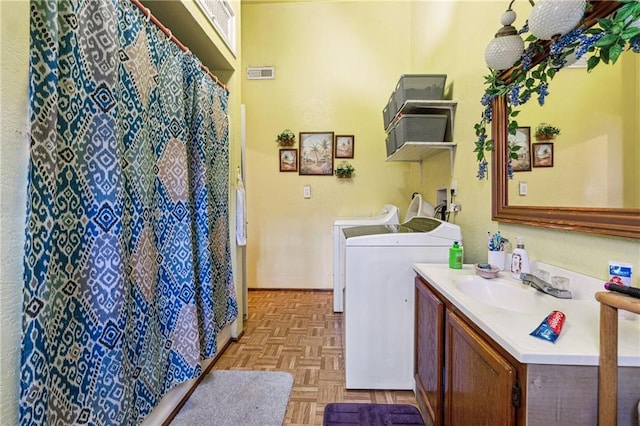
(286, 138)
(344, 170)
(546, 132)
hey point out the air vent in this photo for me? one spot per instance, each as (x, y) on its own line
(261, 73)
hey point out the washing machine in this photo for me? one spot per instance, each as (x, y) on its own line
(389, 215)
(379, 297)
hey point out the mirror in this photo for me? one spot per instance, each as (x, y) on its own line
(621, 218)
(595, 160)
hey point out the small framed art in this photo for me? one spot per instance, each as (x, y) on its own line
(542, 154)
(316, 153)
(344, 146)
(289, 160)
(520, 144)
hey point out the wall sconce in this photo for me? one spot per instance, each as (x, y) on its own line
(507, 46)
(555, 18)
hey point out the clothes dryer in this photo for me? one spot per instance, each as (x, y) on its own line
(389, 215)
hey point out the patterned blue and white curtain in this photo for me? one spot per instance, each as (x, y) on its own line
(127, 257)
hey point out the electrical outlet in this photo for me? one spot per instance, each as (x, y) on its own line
(306, 190)
(455, 207)
(454, 188)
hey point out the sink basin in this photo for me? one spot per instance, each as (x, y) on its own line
(503, 294)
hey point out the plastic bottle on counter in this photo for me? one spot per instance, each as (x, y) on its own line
(455, 256)
(519, 260)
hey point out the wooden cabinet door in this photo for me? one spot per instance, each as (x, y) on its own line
(429, 355)
(479, 381)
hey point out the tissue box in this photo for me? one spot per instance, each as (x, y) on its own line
(620, 273)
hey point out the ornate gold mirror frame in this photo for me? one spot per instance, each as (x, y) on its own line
(603, 221)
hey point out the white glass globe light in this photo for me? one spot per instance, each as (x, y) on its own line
(551, 18)
(507, 46)
(508, 18)
(503, 52)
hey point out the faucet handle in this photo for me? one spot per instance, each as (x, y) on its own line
(562, 294)
(544, 286)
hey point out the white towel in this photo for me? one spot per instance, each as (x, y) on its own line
(241, 213)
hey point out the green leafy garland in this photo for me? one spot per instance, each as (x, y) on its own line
(604, 42)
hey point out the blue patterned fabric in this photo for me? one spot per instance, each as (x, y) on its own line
(127, 257)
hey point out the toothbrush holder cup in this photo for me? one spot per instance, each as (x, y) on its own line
(497, 258)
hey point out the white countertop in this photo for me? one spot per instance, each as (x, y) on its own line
(578, 343)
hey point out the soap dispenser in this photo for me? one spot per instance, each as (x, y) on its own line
(519, 260)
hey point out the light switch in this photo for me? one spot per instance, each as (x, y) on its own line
(307, 191)
(522, 188)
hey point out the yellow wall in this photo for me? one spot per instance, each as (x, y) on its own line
(336, 64)
(14, 154)
(632, 150)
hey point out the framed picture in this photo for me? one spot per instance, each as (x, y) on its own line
(522, 141)
(344, 146)
(289, 160)
(542, 154)
(316, 153)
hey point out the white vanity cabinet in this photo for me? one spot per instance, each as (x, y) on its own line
(476, 365)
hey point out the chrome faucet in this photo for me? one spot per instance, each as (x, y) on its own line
(543, 286)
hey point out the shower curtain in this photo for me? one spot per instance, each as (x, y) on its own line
(127, 258)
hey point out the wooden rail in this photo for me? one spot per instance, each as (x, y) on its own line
(608, 371)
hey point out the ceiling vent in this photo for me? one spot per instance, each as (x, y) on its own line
(261, 73)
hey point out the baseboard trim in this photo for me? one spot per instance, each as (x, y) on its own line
(320, 290)
(235, 339)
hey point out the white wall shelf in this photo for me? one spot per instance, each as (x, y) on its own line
(419, 151)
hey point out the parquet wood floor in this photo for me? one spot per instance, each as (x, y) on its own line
(298, 332)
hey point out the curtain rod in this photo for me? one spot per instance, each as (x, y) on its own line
(173, 38)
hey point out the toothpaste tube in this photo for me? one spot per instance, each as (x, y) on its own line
(550, 328)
